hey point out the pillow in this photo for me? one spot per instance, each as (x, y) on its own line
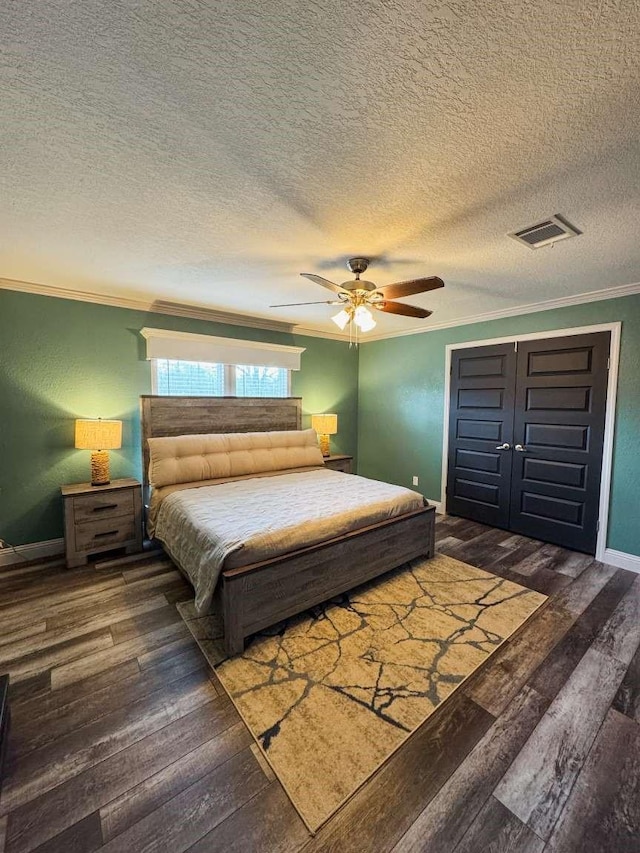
(191, 458)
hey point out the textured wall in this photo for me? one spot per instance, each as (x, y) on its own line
(63, 359)
(401, 404)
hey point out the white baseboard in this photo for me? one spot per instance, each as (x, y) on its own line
(32, 551)
(437, 505)
(621, 560)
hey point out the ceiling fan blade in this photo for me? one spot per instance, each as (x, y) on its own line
(322, 302)
(324, 282)
(408, 288)
(401, 308)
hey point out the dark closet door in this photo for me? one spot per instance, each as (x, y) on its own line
(481, 433)
(561, 392)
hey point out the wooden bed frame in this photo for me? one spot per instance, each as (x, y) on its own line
(258, 595)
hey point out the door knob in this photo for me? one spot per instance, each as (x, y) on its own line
(520, 448)
(504, 446)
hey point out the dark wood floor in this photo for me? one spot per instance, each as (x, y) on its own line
(122, 739)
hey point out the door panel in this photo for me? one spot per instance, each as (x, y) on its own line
(480, 430)
(575, 399)
(555, 473)
(560, 401)
(480, 398)
(560, 436)
(556, 361)
(481, 418)
(478, 460)
(479, 365)
(557, 509)
(480, 493)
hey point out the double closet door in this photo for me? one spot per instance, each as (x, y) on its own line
(526, 434)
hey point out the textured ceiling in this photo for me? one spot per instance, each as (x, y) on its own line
(208, 152)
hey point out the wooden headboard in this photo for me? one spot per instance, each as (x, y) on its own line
(203, 415)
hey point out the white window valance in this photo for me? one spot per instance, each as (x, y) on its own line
(185, 346)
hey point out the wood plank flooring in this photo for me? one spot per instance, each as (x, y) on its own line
(123, 740)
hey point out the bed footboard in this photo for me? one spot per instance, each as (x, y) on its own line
(261, 594)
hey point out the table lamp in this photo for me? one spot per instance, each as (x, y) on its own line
(325, 425)
(99, 436)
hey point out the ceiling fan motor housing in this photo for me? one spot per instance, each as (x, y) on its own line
(358, 265)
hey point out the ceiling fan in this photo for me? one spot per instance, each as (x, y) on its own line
(358, 296)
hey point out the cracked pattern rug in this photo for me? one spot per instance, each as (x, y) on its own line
(330, 694)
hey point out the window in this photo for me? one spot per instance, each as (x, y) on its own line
(256, 381)
(188, 378)
(193, 365)
(204, 379)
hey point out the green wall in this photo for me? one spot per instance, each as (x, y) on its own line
(62, 359)
(401, 404)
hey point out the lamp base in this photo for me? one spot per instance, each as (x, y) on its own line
(325, 448)
(100, 468)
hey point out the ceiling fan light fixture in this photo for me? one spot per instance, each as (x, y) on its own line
(341, 319)
(358, 296)
(363, 318)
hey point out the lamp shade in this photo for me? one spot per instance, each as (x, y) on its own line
(363, 318)
(98, 434)
(325, 424)
(342, 318)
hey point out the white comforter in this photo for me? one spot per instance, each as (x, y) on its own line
(238, 523)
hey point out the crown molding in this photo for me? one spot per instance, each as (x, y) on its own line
(532, 308)
(76, 295)
(174, 309)
(212, 315)
(195, 312)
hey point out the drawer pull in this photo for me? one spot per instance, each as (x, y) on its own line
(106, 533)
(103, 507)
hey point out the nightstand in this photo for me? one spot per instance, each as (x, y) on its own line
(339, 462)
(101, 518)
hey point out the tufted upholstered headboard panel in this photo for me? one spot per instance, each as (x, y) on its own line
(193, 458)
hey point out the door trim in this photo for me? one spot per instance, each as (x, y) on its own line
(610, 412)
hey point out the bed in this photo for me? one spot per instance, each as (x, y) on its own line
(243, 504)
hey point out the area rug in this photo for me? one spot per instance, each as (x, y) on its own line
(329, 695)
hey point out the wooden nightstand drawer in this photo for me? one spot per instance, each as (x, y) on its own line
(339, 463)
(103, 532)
(105, 505)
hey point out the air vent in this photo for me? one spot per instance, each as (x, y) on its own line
(546, 233)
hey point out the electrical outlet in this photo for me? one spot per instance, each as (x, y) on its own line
(415, 481)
